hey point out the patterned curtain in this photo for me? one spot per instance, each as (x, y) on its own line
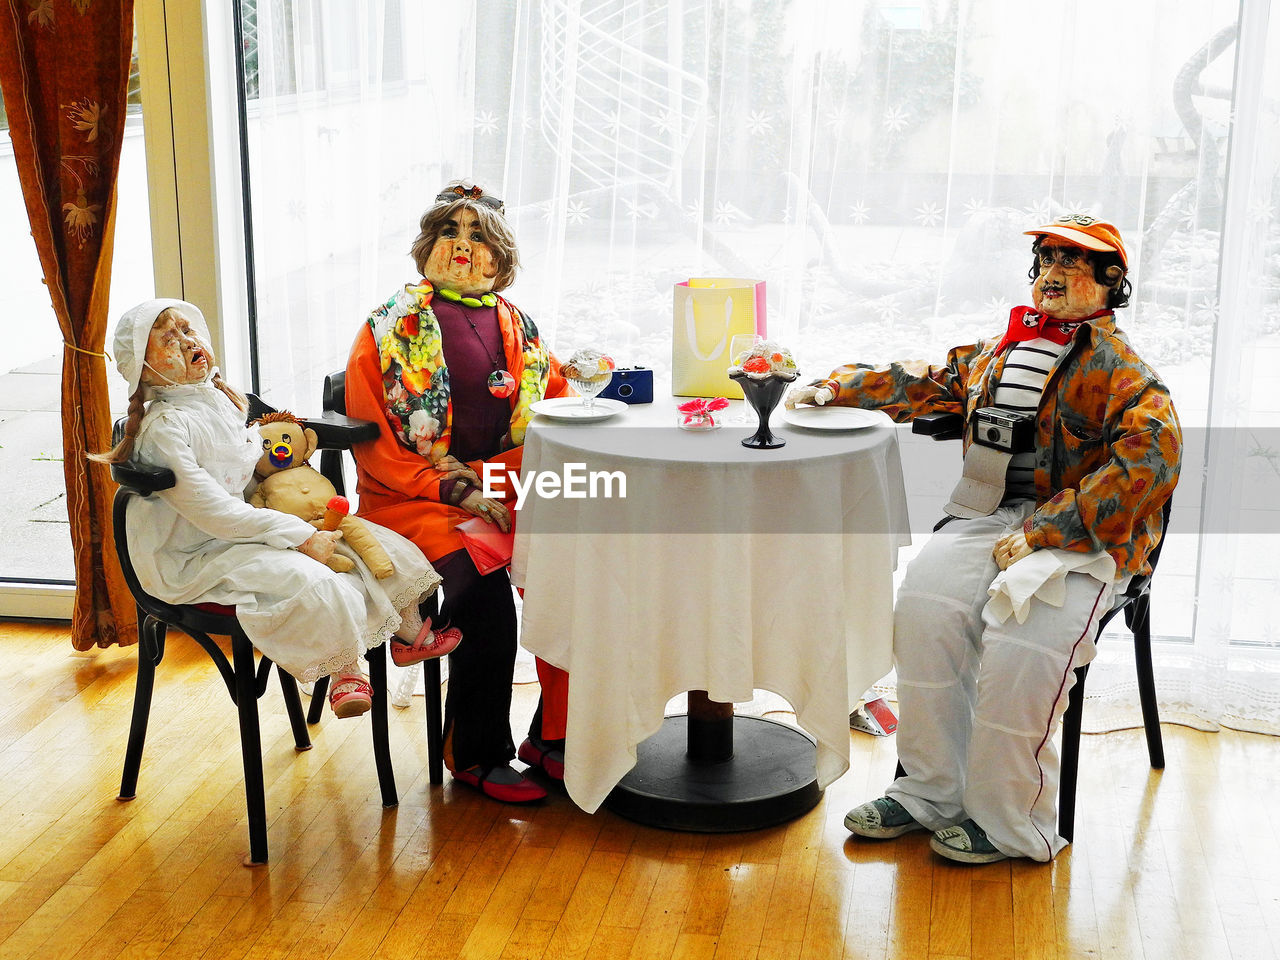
(64, 72)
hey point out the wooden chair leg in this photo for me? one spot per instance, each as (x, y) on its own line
(377, 658)
(430, 609)
(250, 746)
(1141, 626)
(293, 704)
(150, 650)
(318, 694)
(435, 721)
(1070, 761)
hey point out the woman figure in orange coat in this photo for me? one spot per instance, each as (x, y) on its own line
(448, 369)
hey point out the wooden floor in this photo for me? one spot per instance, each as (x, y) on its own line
(1180, 865)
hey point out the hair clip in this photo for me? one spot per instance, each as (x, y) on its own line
(474, 194)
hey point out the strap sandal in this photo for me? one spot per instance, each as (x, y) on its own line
(523, 791)
(881, 819)
(350, 694)
(549, 759)
(428, 645)
(966, 842)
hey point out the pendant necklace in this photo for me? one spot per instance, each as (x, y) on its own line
(501, 383)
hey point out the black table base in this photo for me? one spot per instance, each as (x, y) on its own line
(770, 778)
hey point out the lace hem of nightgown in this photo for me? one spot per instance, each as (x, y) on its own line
(416, 592)
(413, 593)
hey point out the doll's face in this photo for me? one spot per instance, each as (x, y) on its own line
(461, 260)
(1065, 288)
(175, 351)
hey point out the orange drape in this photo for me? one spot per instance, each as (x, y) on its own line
(64, 74)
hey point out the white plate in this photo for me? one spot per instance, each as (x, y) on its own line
(571, 408)
(833, 418)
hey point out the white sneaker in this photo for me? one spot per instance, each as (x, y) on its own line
(881, 819)
(966, 842)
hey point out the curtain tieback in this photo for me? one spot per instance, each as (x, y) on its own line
(91, 353)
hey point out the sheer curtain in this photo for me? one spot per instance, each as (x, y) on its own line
(358, 114)
(874, 162)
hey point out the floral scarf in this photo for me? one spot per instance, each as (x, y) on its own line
(415, 380)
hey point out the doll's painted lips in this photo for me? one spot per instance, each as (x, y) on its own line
(462, 260)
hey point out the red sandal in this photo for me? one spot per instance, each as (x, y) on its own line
(537, 754)
(524, 791)
(429, 644)
(350, 694)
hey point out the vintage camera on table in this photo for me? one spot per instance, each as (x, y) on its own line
(1004, 429)
(630, 385)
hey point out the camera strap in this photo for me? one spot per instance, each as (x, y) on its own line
(981, 488)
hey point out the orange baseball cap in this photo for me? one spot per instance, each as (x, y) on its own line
(1084, 231)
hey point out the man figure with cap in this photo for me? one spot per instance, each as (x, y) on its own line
(1072, 447)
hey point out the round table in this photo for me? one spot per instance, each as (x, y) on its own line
(722, 569)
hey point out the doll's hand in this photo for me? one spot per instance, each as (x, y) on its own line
(819, 395)
(319, 546)
(1010, 548)
(494, 511)
(455, 469)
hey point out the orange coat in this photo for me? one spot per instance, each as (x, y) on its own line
(398, 487)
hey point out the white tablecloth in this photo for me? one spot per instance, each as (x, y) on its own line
(724, 569)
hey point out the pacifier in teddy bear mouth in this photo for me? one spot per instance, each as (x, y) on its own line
(280, 454)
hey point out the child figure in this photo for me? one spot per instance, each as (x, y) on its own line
(201, 542)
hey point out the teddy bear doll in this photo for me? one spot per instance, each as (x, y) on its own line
(288, 483)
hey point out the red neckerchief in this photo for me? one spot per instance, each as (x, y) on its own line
(1026, 323)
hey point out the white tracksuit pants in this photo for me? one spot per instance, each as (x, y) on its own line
(980, 700)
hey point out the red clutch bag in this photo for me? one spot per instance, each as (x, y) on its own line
(489, 547)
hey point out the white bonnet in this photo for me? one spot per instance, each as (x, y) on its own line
(133, 329)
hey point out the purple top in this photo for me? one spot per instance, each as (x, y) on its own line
(480, 420)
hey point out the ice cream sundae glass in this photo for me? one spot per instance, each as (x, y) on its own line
(588, 371)
(763, 372)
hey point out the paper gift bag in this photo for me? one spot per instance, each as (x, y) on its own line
(707, 313)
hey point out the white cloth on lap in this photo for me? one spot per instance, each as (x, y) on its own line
(1042, 575)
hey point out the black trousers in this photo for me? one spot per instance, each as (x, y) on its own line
(477, 708)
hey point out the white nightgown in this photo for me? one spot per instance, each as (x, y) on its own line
(200, 542)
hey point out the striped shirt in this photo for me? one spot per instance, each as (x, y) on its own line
(1021, 383)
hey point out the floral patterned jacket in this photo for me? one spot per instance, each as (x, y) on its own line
(1108, 442)
(415, 379)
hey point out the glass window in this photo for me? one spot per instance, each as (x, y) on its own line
(876, 162)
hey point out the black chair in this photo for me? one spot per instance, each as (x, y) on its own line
(245, 680)
(1135, 602)
(333, 402)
